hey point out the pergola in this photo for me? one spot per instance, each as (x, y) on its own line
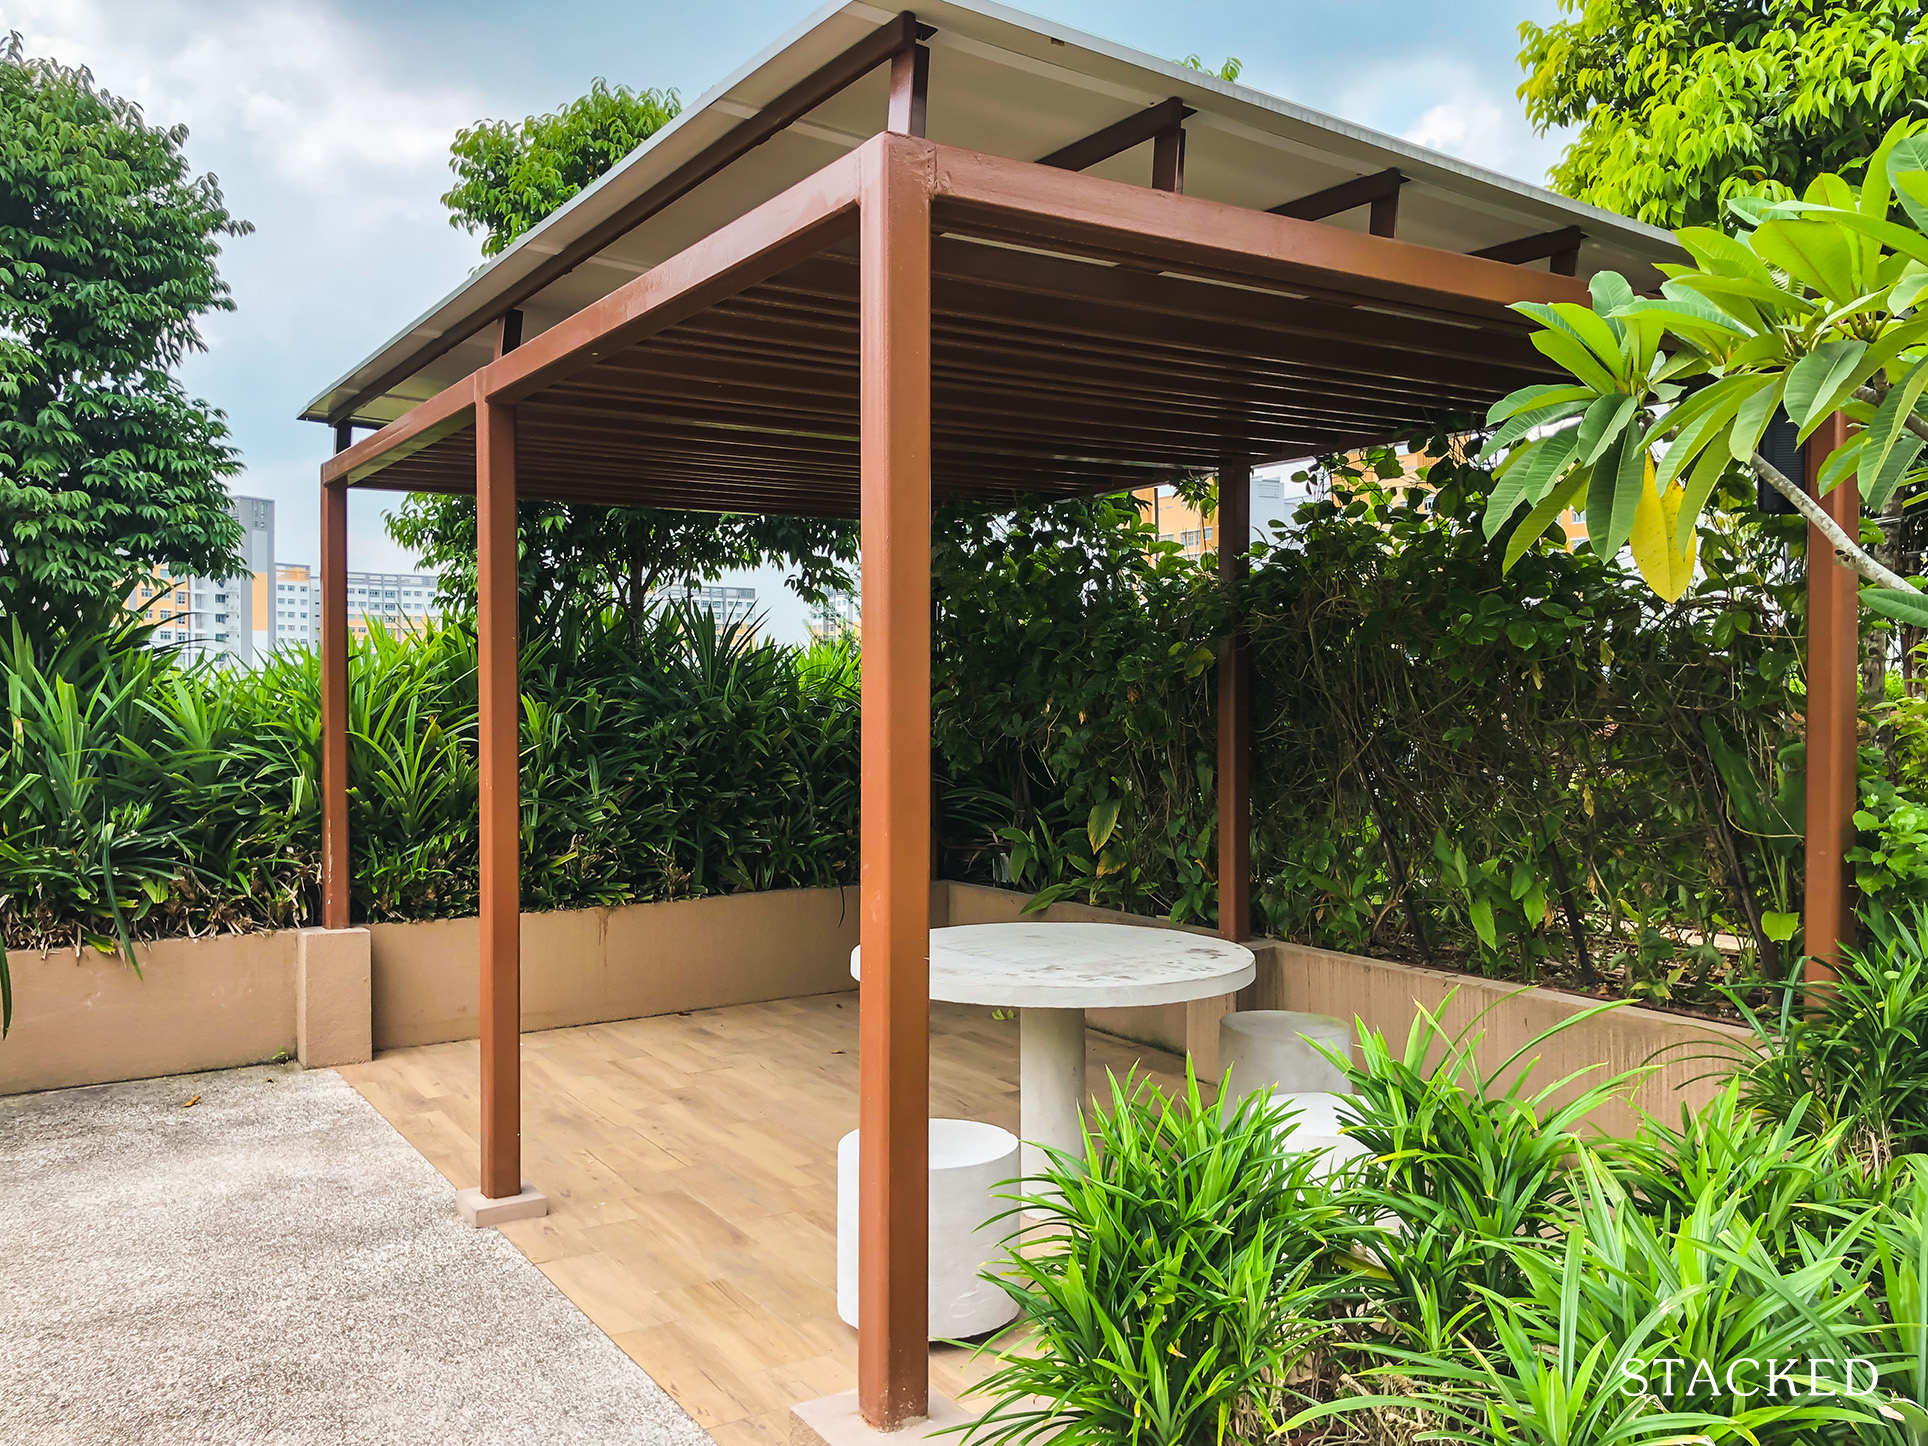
(903, 259)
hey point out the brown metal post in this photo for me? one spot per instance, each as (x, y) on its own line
(1833, 664)
(499, 714)
(334, 696)
(1234, 712)
(893, 1367)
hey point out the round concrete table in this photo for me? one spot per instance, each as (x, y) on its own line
(1051, 974)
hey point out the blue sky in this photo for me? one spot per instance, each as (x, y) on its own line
(328, 123)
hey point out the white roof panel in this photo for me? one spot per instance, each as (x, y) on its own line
(1001, 82)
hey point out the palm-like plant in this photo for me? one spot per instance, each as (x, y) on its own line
(1813, 309)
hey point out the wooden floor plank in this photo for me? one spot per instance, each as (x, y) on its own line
(690, 1163)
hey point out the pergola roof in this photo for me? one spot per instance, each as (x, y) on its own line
(1068, 357)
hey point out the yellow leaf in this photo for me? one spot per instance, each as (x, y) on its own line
(1667, 571)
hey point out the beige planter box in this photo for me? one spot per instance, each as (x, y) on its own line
(329, 997)
(1388, 997)
(197, 1004)
(587, 966)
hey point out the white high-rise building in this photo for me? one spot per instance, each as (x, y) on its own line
(296, 606)
(402, 602)
(726, 604)
(212, 619)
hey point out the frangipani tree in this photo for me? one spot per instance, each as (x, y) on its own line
(1817, 306)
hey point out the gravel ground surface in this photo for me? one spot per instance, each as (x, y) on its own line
(276, 1265)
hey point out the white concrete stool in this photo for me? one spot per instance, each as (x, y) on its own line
(969, 1162)
(1268, 1049)
(1317, 1118)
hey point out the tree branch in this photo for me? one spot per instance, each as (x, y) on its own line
(1846, 548)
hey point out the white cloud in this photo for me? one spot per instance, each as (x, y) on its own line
(337, 154)
(284, 84)
(1450, 106)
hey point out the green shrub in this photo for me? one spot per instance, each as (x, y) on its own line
(144, 796)
(1851, 1055)
(1176, 1285)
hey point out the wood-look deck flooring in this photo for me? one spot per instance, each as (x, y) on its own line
(690, 1165)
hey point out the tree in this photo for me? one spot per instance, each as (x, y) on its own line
(1683, 104)
(107, 261)
(511, 176)
(1814, 308)
(579, 560)
(584, 558)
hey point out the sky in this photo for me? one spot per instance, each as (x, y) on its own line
(328, 123)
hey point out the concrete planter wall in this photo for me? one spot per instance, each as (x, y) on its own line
(587, 966)
(329, 998)
(1388, 997)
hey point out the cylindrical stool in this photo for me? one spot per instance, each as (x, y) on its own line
(1316, 1119)
(1268, 1049)
(969, 1161)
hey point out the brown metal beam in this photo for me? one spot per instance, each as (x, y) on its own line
(1168, 161)
(336, 877)
(1234, 710)
(499, 714)
(1833, 668)
(882, 44)
(508, 332)
(1120, 136)
(893, 1367)
(1035, 206)
(910, 88)
(1561, 248)
(1379, 191)
(787, 228)
(449, 411)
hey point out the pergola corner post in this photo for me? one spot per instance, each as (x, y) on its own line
(893, 1366)
(1833, 670)
(1234, 710)
(334, 696)
(502, 1195)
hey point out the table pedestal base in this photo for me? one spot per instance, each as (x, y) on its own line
(1051, 1084)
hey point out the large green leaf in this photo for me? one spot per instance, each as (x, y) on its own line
(1700, 419)
(1815, 382)
(1610, 292)
(1878, 483)
(1890, 421)
(1815, 253)
(1564, 348)
(1908, 174)
(1907, 607)
(1896, 237)
(1716, 252)
(1527, 480)
(1518, 426)
(1542, 516)
(1599, 335)
(1714, 460)
(1629, 468)
(1540, 394)
(1753, 414)
(1603, 423)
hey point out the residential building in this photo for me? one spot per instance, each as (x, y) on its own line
(728, 605)
(402, 602)
(1275, 497)
(210, 619)
(837, 616)
(297, 606)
